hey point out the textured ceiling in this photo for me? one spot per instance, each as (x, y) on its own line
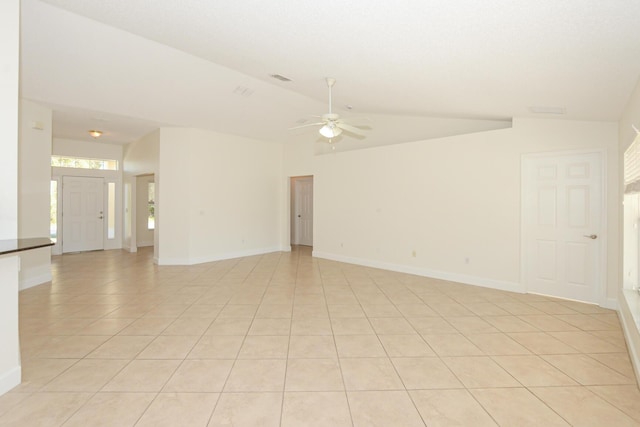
(491, 59)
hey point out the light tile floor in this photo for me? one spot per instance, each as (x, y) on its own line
(287, 340)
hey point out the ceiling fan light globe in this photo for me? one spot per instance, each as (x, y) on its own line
(330, 131)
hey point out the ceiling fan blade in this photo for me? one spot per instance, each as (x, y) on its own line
(332, 125)
(349, 128)
(307, 125)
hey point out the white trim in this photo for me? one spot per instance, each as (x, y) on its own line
(436, 274)
(604, 235)
(131, 249)
(10, 379)
(611, 304)
(630, 326)
(56, 249)
(601, 292)
(35, 281)
(211, 258)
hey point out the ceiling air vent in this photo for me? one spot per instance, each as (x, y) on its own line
(280, 77)
(243, 91)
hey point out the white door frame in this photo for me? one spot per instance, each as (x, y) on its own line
(601, 268)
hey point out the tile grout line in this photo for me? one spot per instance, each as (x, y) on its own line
(335, 344)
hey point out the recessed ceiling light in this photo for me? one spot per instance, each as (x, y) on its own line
(95, 133)
(548, 110)
(280, 77)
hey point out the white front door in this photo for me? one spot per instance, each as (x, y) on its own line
(562, 225)
(82, 214)
(303, 214)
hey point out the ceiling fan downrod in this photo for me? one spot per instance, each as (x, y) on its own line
(330, 82)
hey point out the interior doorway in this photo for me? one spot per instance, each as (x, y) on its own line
(82, 214)
(562, 225)
(145, 210)
(302, 210)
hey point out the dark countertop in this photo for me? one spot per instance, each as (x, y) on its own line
(19, 245)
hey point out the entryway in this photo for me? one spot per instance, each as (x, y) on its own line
(562, 225)
(145, 210)
(82, 214)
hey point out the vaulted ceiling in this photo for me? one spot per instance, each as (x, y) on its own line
(417, 68)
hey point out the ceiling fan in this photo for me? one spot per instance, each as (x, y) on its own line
(331, 124)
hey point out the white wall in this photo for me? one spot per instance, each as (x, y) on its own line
(173, 194)
(448, 199)
(219, 196)
(140, 158)
(91, 150)
(87, 150)
(34, 190)
(10, 372)
(9, 63)
(143, 156)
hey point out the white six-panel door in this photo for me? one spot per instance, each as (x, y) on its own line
(562, 225)
(82, 214)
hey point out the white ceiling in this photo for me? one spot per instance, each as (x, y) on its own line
(207, 64)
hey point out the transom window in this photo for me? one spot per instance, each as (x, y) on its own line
(83, 163)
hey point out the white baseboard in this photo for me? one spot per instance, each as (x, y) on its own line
(31, 281)
(443, 275)
(129, 248)
(610, 303)
(219, 257)
(10, 379)
(629, 326)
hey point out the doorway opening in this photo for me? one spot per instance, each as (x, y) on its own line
(145, 210)
(302, 210)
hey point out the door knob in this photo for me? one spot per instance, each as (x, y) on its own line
(100, 217)
(299, 216)
(591, 236)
